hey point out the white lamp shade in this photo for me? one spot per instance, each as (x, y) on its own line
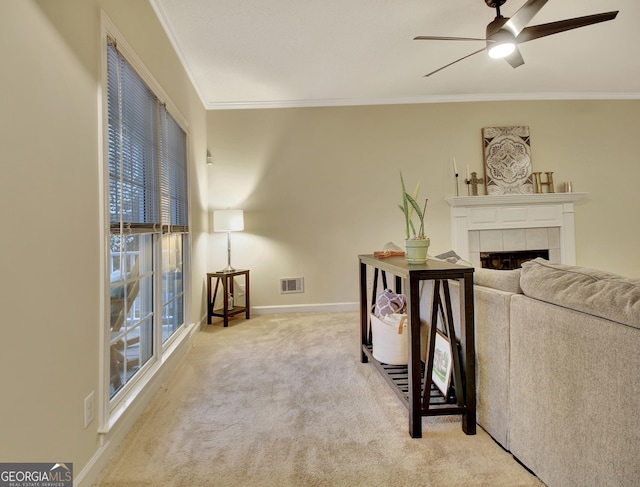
(228, 220)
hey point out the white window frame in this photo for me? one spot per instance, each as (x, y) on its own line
(111, 410)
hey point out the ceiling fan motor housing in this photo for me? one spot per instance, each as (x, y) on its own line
(500, 40)
(495, 27)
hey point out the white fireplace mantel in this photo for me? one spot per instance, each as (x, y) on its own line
(527, 211)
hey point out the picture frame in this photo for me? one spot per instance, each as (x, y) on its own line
(507, 155)
(442, 363)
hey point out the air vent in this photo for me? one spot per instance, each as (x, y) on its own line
(292, 285)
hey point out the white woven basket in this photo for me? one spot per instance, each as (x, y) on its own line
(391, 347)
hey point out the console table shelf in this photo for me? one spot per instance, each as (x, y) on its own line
(410, 381)
(398, 377)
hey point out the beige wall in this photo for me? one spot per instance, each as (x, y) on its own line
(50, 209)
(321, 185)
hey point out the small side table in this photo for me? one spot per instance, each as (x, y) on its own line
(227, 279)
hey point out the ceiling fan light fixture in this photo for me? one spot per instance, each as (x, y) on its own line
(504, 34)
(501, 50)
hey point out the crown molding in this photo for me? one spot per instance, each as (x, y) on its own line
(463, 98)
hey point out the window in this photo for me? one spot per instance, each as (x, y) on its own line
(148, 222)
(172, 288)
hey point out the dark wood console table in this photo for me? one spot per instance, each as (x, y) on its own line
(412, 383)
(226, 278)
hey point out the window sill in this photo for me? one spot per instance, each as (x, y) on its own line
(136, 399)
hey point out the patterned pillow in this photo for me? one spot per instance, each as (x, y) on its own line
(388, 302)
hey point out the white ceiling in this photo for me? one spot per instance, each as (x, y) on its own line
(285, 53)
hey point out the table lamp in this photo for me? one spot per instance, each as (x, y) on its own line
(228, 221)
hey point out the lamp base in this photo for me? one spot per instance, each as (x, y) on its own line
(227, 269)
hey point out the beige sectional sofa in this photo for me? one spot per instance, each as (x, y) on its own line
(558, 371)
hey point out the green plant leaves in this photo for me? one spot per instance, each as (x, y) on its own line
(408, 206)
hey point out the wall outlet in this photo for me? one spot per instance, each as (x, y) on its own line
(89, 409)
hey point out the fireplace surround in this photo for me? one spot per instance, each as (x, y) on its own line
(514, 223)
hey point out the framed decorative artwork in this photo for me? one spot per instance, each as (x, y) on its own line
(442, 363)
(507, 159)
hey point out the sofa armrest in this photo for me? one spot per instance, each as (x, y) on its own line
(508, 281)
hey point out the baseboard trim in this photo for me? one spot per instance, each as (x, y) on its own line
(305, 308)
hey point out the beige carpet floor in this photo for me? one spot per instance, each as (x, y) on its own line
(283, 400)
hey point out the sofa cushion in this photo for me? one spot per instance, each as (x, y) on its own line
(591, 291)
(508, 281)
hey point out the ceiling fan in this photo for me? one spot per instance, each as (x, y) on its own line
(505, 33)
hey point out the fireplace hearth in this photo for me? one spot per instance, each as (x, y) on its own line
(510, 260)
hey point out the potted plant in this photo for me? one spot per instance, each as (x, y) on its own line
(416, 243)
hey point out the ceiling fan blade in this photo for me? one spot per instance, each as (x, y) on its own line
(438, 38)
(523, 16)
(542, 30)
(515, 58)
(456, 61)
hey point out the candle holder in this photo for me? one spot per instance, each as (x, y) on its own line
(540, 184)
(455, 172)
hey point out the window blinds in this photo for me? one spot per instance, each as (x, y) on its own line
(147, 155)
(175, 189)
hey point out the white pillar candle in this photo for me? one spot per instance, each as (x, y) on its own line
(455, 168)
